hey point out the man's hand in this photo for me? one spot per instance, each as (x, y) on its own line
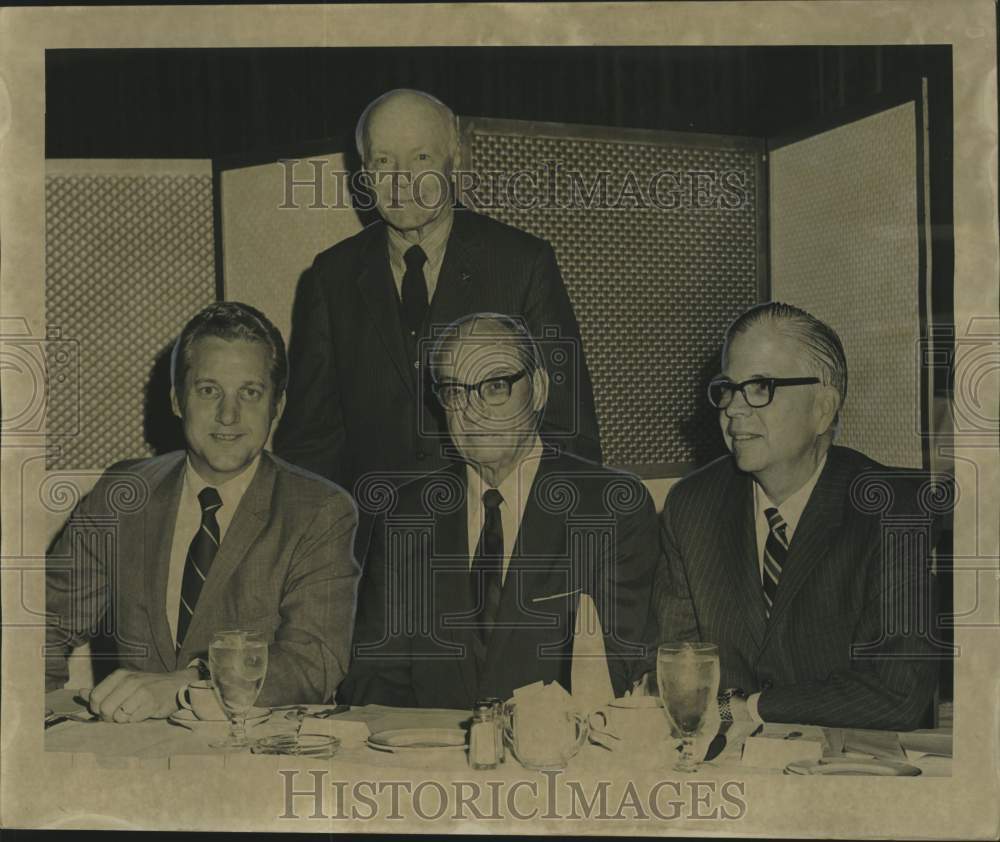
(131, 696)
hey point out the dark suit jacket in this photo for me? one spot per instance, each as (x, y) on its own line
(851, 578)
(284, 568)
(356, 403)
(585, 529)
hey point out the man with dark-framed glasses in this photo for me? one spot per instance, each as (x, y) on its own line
(477, 572)
(778, 552)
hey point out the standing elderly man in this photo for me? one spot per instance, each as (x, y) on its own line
(358, 399)
(477, 572)
(777, 552)
(218, 536)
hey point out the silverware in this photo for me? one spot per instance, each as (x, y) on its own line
(57, 718)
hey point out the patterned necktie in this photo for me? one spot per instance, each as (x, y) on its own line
(414, 292)
(775, 553)
(200, 556)
(487, 568)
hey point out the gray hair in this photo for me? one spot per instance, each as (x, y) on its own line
(447, 116)
(824, 351)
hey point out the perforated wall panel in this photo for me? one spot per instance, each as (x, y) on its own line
(129, 258)
(844, 246)
(657, 243)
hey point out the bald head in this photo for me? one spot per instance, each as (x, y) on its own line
(405, 107)
(408, 143)
(490, 381)
(487, 329)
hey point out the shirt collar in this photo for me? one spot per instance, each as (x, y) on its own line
(433, 244)
(516, 484)
(231, 491)
(791, 510)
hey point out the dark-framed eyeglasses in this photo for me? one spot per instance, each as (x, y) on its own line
(757, 391)
(493, 391)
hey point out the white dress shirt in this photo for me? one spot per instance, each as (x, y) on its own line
(189, 522)
(434, 245)
(791, 512)
(514, 490)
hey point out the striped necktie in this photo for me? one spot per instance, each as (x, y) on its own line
(200, 556)
(775, 554)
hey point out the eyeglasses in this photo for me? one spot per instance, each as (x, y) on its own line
(493, 391)
(757, 391)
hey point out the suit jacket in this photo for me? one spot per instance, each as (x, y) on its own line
(356, 401)
(585, 529)
(856, 577)
(284, 568)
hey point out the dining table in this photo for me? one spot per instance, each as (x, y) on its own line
(165, 743)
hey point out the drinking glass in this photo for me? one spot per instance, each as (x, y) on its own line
(688, 679)
(237, 659)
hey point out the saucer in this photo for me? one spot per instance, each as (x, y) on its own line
(418, 739)
(187, 719)
(850, 766)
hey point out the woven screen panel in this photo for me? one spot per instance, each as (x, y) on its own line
(844, 246)
(655, 269)
(129, 259)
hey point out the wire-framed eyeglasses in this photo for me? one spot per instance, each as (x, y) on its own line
(493, 391)
(757, 391)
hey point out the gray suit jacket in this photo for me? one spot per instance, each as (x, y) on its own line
(285, 568)
(850, 640)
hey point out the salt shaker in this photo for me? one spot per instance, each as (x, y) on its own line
(483, 747)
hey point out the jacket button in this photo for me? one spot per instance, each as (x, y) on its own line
(421, 455)
(766, 684)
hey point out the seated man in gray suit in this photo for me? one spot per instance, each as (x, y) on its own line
(220, 536)
(477, 572)
(779, 554)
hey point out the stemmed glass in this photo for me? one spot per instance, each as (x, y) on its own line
(688, 678)
(237, 659)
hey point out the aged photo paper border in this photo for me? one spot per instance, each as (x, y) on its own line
(39, 790)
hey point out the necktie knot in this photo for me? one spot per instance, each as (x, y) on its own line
(492, 499)
(414, 257)
(775, 521)
(209, 499)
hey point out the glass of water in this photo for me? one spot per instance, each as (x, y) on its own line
(237, 659)
(688, 679)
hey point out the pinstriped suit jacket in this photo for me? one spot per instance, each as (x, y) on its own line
(356, 404)
(856, 575)
(285, 567)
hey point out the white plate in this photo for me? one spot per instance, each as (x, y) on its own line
(418, 739)
(851, 766)
(185, 717)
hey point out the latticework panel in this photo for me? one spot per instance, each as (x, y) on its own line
(657, 244)
(844, 246)
(129, 259)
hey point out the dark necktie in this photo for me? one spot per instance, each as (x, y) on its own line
(200, 556)
(775, 554)
(487, 567)
(414, 292)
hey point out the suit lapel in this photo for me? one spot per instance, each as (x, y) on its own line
(377, 287)
(460, 273)
(452, 593)
(814, 536)
(534, 569)
(160, 517)
(738, 548)
(244, 528)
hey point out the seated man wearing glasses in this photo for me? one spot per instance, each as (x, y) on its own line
(806, 563)
(476, 572)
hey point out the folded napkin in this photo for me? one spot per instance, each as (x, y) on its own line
(589, 675)
(347, 732)
(882, 745)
